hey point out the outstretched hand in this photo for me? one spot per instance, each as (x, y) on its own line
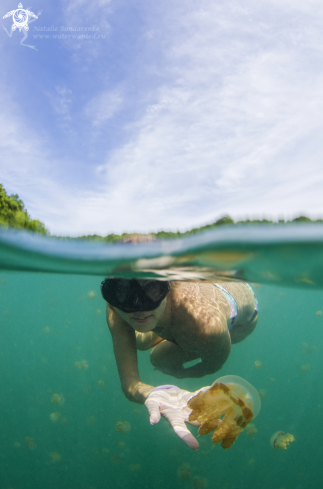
(170, 402)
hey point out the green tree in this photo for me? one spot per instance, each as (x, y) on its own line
(13, 214)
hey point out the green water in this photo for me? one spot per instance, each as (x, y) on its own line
(48, 322)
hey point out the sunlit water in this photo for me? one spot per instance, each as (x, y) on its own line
(49, 322)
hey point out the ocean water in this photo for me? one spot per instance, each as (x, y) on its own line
(54, 340)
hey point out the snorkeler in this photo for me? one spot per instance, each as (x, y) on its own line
(182, 322)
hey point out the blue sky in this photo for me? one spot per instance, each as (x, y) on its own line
(176, 113)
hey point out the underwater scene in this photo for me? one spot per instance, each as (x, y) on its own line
(65, 422)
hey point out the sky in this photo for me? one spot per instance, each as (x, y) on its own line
(145, 116)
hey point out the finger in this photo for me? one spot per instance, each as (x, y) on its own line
(153, 409)
(181, 430)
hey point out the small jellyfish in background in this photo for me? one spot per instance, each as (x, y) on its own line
(103, 368)
(91, 420)
(280, 440)
(57, 399)
(46, 330)
(258, 364)
(116, 459)
(226, 408)
(305, 367)
(97, 312)
(308, 349)
(30, 443)
(101, 383)
(251, 430)
(123, 426)
(105, 450)
(82, 365)
(251, 462)
(199, 482)
(91, 294)
(16, 444)
(55, 417)
(55, 457)
(121, 444)
(319, 313)
(272, 380)
(136, 468)
(184, 471)
(262, 393)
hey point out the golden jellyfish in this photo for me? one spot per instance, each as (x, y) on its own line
(319, 313)
(97, 312)
(280, 440)
(184, 471)
(30, 443)
(258, 364)
(199, 482)
(82, 365)
(116, 459)
(103, 368)
(91, 420)
(46, 330)
(305, 367)
(123, 426)
(16, 444)
(227, 407)
(101, 383)
(136, 468)
(262, 393)
(251, 462)
(105, 450)
(251, 430)
(272, 380)
(307, 348)
(55, 457)
(57, 399)
(121, 444)
(91, 294)
(55, 417)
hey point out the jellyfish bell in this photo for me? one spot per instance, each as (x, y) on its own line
(226, 407)
(258, 364)
(244, 390)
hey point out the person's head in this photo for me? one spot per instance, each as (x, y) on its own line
(140, 303)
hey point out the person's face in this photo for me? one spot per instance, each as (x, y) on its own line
(144, 321)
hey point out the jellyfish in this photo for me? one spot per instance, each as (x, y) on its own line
(91, 294)
(262, 393)
(136, 468)
(280, 440)
(55, 457)
(307, 348)
(226, 407)
(82, 365)
(251, 430)
(121, 444)
(30, 443)
(55, 417)
(97, 312)
(101, 383)
(46, 330)
(305, 367)
(319, 313)
(57, 399)
(272, 380)
(184, 471)
(258, 364)
(123, 426)
(199, 482)
(16, 444)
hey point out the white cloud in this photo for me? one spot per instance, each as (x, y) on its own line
(103, 106)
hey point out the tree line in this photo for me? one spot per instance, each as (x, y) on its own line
(13, 214)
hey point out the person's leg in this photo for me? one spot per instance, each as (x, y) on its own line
(169, 358)
(240, 332)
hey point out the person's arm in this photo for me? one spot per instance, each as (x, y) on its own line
(124, 345)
